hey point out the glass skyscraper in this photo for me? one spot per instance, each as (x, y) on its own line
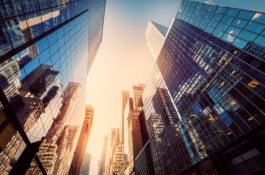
(44, 48)
(204, 100)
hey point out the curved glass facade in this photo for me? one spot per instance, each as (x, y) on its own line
(206, 93)
(234, 26)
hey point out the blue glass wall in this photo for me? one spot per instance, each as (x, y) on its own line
(235, 26)
(43, 49)
(212, 65)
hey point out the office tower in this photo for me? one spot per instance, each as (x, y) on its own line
(137, 132)
(143, 163)
(65, 148)
(137, 92)
(155, 35)
(102, 163)
(48, 154)
(69, 100)
(86, 164)
(80, 149)
(44, 46)
(116, 160)
(124, 100)
(114, 141)
(96, 22)
(204, 98)
(134, 137)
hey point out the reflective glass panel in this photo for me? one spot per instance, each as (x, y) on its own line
(209, 14)
(199, 5)
(232, 12)
(248, 36)
(218, 33)
(228, 37)
(213, 8)
(239, 23)
(30, 5)
(260, 40)
(221, 10)
(227, 19)
(205, 20)
(222, 26)
(239, 43)
(194, 4)
(217, 17)
(245, 14)
(44, 4)
(255, 27)
(213, 23)
(202, 12)
(202, 26)
(259, 17)
(233, 30)
(205, 6)
(209, 29)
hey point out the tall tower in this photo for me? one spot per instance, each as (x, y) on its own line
(155, 35)
(79, 153)
(204, 105)
(137, 93)
(124, 100)
(114, 142)
(96, 23)
(44, 48)
(102, 164)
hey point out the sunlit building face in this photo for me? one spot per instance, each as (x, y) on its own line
(211, 70)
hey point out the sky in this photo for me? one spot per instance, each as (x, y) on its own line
(124, 59)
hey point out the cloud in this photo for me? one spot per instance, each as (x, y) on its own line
(257, 15)
(174, 4)
(230, 38)
(209, 2)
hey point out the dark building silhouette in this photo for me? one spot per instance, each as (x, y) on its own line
(143, 162)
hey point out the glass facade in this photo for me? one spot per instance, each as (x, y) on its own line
(234, 26)
(96, 22)
(204, 98)
(143, 162)
(43, 67)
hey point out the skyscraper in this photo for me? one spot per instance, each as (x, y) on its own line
(44, 45)
(80, 149)
(114, 142)
(143, 162)
(96, 22)
(204, 98)
(102, 164)
(124, 100)
(86, 164)
(137, 95)
(155, 35)
(134, 137)
(137, 132)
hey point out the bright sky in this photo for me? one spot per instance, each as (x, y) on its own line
(124, 59)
